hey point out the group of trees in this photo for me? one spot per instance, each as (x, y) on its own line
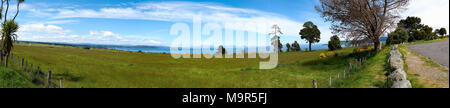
(411, 29)
(310, 33)
(293, 48)
(9, 29)
(362, 19)
(359, 20)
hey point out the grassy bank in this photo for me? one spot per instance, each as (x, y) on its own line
(9, 78)
(108, 68)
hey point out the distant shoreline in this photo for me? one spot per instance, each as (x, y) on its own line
(165, 49)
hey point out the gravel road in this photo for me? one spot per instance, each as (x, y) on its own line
(438, 51)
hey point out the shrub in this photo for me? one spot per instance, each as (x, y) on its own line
(397, 37)
(363, 49)
(323, 55)
(327, 54)
(334, 43)
(86, 48)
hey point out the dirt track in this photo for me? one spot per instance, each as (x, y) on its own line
(438, 51)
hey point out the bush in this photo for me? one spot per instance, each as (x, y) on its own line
(323, 55)
(327, 54)
(397, 37)
(363, 49)
(334, 43)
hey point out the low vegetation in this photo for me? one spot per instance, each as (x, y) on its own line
(111, 68)
(10, 78)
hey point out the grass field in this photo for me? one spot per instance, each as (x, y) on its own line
(120, 69)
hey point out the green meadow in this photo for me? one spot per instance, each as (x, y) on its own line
(102, 68)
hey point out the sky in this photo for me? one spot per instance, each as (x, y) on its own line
(148, 22)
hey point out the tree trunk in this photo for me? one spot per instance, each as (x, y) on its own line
(377, 43)
(309, 46)
(6, 59)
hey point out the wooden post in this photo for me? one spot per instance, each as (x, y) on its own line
(349, 67)
(330, 81)
(344, 73)
(22, 62)
(25, 68)
(31, 68)
(38, 70)
(49, 78)
(337, 78)
(18, 61)
(314, 83)
(61, 83)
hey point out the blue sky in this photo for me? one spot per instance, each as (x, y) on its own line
(147, 22)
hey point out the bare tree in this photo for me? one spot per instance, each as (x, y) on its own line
(362, 19)
(276, 38)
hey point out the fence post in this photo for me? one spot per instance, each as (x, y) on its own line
(350, 66)
(49, 78)
(22, 62)
(337, 76)
(38, 70)
(61, 83)
(344, 73)
(330, 81)
(31, 69)
(26, 66)
(314, 83)
(18, 61)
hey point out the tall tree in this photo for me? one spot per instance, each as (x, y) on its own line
(221, 50)
(310, 33)
(276, 38)
(362, 19)
(9, 29)
(410, 24)
(428, 32)
(442, 31)
(288, 47)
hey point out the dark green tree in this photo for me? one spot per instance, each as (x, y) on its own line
(295, 46)
(419, 34)
(334, 43)
(288, 47)
(310, 33)
(442, 31)
(429, 35)
(397, 37)
(410, 24)
(221, 50)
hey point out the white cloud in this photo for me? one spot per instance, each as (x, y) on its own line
(43, 28)
(181, 12)
(432, 12)
(94, 37)
(105, 34)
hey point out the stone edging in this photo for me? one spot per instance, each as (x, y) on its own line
(397, 75)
